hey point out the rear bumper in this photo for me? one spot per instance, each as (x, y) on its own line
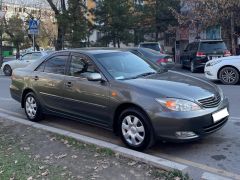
(167, 125)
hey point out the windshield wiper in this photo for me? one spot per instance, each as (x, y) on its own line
(145, 74)
(141, 75)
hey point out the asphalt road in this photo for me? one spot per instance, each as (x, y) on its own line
(218, 153)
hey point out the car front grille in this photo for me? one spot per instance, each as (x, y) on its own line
(216, 126)
(211, 102)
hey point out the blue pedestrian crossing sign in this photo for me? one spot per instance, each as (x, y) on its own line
(33, 27)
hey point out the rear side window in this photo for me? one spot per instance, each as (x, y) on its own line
(36, 55)
(192, 47)
(212, 46)
(56, 65)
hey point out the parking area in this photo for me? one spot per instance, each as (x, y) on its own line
(217, 153)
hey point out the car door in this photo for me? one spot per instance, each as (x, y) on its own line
(86, 100)
(48, 81)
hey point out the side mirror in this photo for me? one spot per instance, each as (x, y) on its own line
(94, 77)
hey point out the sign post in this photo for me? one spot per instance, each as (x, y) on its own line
(33, 29)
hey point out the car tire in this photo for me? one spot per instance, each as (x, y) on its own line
(192, 67)
(229, 76)
(32, 107)
(7, 70)
(135, 129)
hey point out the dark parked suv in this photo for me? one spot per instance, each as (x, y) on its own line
(198, 53)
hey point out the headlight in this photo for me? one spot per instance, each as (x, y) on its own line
(178, 104)
(214, 62)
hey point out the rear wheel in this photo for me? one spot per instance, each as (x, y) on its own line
(229, 76)
(32, 107)
(7, 70)
(135, 129)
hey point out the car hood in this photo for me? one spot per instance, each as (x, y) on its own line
(175, 85)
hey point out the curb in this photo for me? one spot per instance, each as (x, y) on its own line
(125, 152)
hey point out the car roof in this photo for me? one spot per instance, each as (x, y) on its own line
(210, 40)
(94, 51)
(149, 43)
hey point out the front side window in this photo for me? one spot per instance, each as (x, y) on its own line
(80, 66)
(56, 65)
(27, 56)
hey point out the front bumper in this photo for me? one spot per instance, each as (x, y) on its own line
(167, 124)
(211, 72)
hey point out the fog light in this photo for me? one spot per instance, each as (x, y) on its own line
(186, 134)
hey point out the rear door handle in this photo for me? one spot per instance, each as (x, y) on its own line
(68, 84)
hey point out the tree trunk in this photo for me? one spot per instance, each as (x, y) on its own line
(17, 48)
(114, 41)
(232, 35)
(118, 43)
(60, 38)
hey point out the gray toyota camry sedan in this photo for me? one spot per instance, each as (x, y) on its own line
(120, 91)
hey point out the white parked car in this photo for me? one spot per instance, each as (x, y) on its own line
(226, 69)
(23, 61)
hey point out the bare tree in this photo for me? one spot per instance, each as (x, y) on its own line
(60, 15)
(206, 13)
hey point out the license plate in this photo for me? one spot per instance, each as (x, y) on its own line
(220, 115)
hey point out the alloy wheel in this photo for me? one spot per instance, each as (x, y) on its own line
(31, 107)
(229, 75)
(7, 70)
(133, 130)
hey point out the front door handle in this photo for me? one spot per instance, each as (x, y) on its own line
(68, 84)
(36, 78)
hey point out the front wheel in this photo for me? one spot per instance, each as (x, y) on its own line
(135, 129)
(229, 76)
(7, 70)
(32, 107)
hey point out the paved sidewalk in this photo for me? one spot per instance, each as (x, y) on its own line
(29, 153)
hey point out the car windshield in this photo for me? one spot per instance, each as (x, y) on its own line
(125, 65)
(151, 46)
(213, 46)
